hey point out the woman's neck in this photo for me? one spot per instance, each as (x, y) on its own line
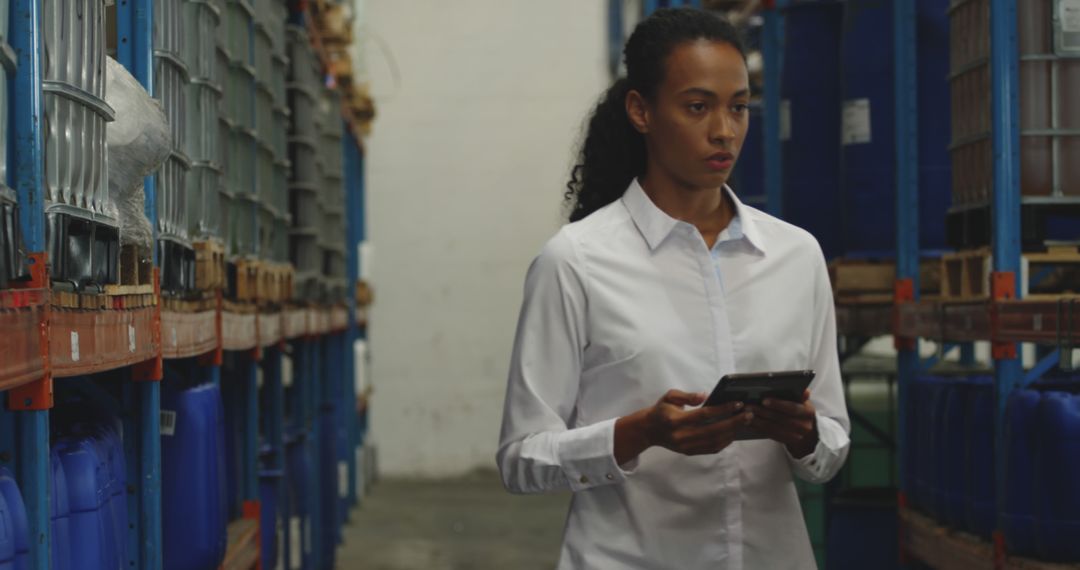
(708, 209)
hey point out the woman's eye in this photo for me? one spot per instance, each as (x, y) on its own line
(696, 107)
(741, 108)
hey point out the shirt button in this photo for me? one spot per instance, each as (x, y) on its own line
(584, 479)
(610, 477)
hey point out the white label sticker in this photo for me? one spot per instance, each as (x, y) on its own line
(343, 479)
(173, 336)
(1069, 13)
(74, 346)
(360, 471)
(785, 120)
(295, 545)
(168, 422)
(131, 338)
(856, 122)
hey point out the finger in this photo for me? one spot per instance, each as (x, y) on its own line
(788, 408)
(780, 416)
(792, 422)
(680, 398)
(708, 414)
(722, 428)
(784, 431)
(775, 432)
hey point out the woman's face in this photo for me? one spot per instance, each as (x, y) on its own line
(696, 122)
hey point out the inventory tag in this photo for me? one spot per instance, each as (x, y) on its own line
(168, 422)
(855, 124)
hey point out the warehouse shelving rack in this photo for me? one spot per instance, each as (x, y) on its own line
(1005, 319)
(136, 340)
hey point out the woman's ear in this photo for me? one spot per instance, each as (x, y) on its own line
(637, 110)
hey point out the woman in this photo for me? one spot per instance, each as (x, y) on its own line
(663, 283)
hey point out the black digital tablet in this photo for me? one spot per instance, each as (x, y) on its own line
(752, 388)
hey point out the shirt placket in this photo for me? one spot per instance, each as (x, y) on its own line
(729, 486)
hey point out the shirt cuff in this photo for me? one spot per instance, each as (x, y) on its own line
(832, 441)
(587, 456)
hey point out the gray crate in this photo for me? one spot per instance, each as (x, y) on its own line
(202, 123)
(243, 212)
(203, 18)
(304, 157)
(172, 198)
(76, 170)
(236, 33)
(204, 201)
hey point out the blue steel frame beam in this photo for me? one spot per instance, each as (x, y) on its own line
(354, 235)
(142, 441)
(772, 49)
(1005, 110)
(27, 168)
(905, 84)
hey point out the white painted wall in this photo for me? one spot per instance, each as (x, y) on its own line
(465, 173)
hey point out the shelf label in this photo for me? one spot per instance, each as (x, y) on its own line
(168, 422)
(343, 479)
(785, 120)
(296, 545)
(173, 330)
(74, 346)
(855, 124)
(131, 338)
(1069, 12)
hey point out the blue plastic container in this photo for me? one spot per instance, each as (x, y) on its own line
(193, 528)
(328, 485)
(7, 536)
(1058, 473)
(869, 140)
(951, 455)
(748, 179)
(269, 480)
(810, 88)
(927, 463)
(1020, 442)
(59, 514)
(20, 524)
(106, 439)
(88, 517)
(980, 507)
(863, 530)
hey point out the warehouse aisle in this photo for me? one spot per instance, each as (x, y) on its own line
(457, 524)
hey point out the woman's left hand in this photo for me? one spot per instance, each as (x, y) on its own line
(790, 423)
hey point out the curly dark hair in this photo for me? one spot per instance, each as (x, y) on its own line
(613, 152)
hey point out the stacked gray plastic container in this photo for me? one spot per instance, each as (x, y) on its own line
(10, 261)
(81, 216)
(238, 132)
(271, 125)
(204, 206)
(171, 81)
(306, 183)
(332, 237)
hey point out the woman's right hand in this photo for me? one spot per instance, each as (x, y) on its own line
(700, 431)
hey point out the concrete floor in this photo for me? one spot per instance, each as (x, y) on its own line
(469, 523)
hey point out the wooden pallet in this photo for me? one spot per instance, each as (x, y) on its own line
(206, 302)
(136, 266)
(966, 274)
(247, 280)
(364, 294)
(874, 282)
(209, 265)
(114, 297)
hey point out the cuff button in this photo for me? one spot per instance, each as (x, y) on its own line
(584, 480)
(610, 477)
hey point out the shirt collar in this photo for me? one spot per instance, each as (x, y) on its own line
(655, 225)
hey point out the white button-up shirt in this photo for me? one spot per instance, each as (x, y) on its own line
(621, 307)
